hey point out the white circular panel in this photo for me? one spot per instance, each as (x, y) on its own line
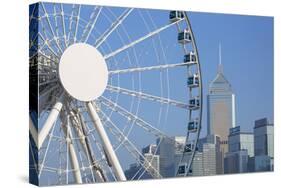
(83, 72)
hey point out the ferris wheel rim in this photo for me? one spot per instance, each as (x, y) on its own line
(139, 74)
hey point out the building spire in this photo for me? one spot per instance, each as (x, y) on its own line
(220, 69)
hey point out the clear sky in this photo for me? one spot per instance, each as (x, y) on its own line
(247, 58)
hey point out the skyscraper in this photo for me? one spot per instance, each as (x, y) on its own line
(197, 165)
(209, 159)
(240, 149)
(204, 162)
(170, 152)
(220, 107)
(239, 140)
(236, 162)
(215, 140)
(263, 139)
(151, 163)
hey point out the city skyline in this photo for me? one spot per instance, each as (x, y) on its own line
(248, 152)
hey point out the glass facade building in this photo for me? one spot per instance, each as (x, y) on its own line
(220, 108)
(263, 136)
(264, 145)
(170, 154)
(238, 140)
(236, 162)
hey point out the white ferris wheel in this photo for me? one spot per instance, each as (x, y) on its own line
(105, 82)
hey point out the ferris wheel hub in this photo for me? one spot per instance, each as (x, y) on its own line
(83, 72)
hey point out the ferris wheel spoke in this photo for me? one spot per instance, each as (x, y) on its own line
(32, 13)
(128, 115)
(97, 143)
(50, 120)
(51, 28)
(59, 19)
(113, 26)
(63, 24)
(142, 69)
(77, 23)
(33, 43)
(48, 82)
(128, 145)
(56, 20)
(146, 96)
(73, 23)
(47, 43)
(48, 169)
(91, 24)
(46, 56)
(140, 40)
(41, 165)
(35, 162)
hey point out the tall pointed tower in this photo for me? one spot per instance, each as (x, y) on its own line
(220, 107)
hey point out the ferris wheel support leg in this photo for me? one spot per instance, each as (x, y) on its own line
(85, 143)
(50, 121)
(106, 143)
(72, 153)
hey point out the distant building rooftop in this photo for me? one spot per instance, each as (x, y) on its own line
(236, 131)
(262, 122)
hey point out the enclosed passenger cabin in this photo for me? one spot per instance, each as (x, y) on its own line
(188, 148)
(190, 58)
(184, 36)
(193, 81)
(193, 125)
(194, 103)
(176, 16)
(181, 170)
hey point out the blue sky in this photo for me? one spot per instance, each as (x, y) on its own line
(247, 58)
